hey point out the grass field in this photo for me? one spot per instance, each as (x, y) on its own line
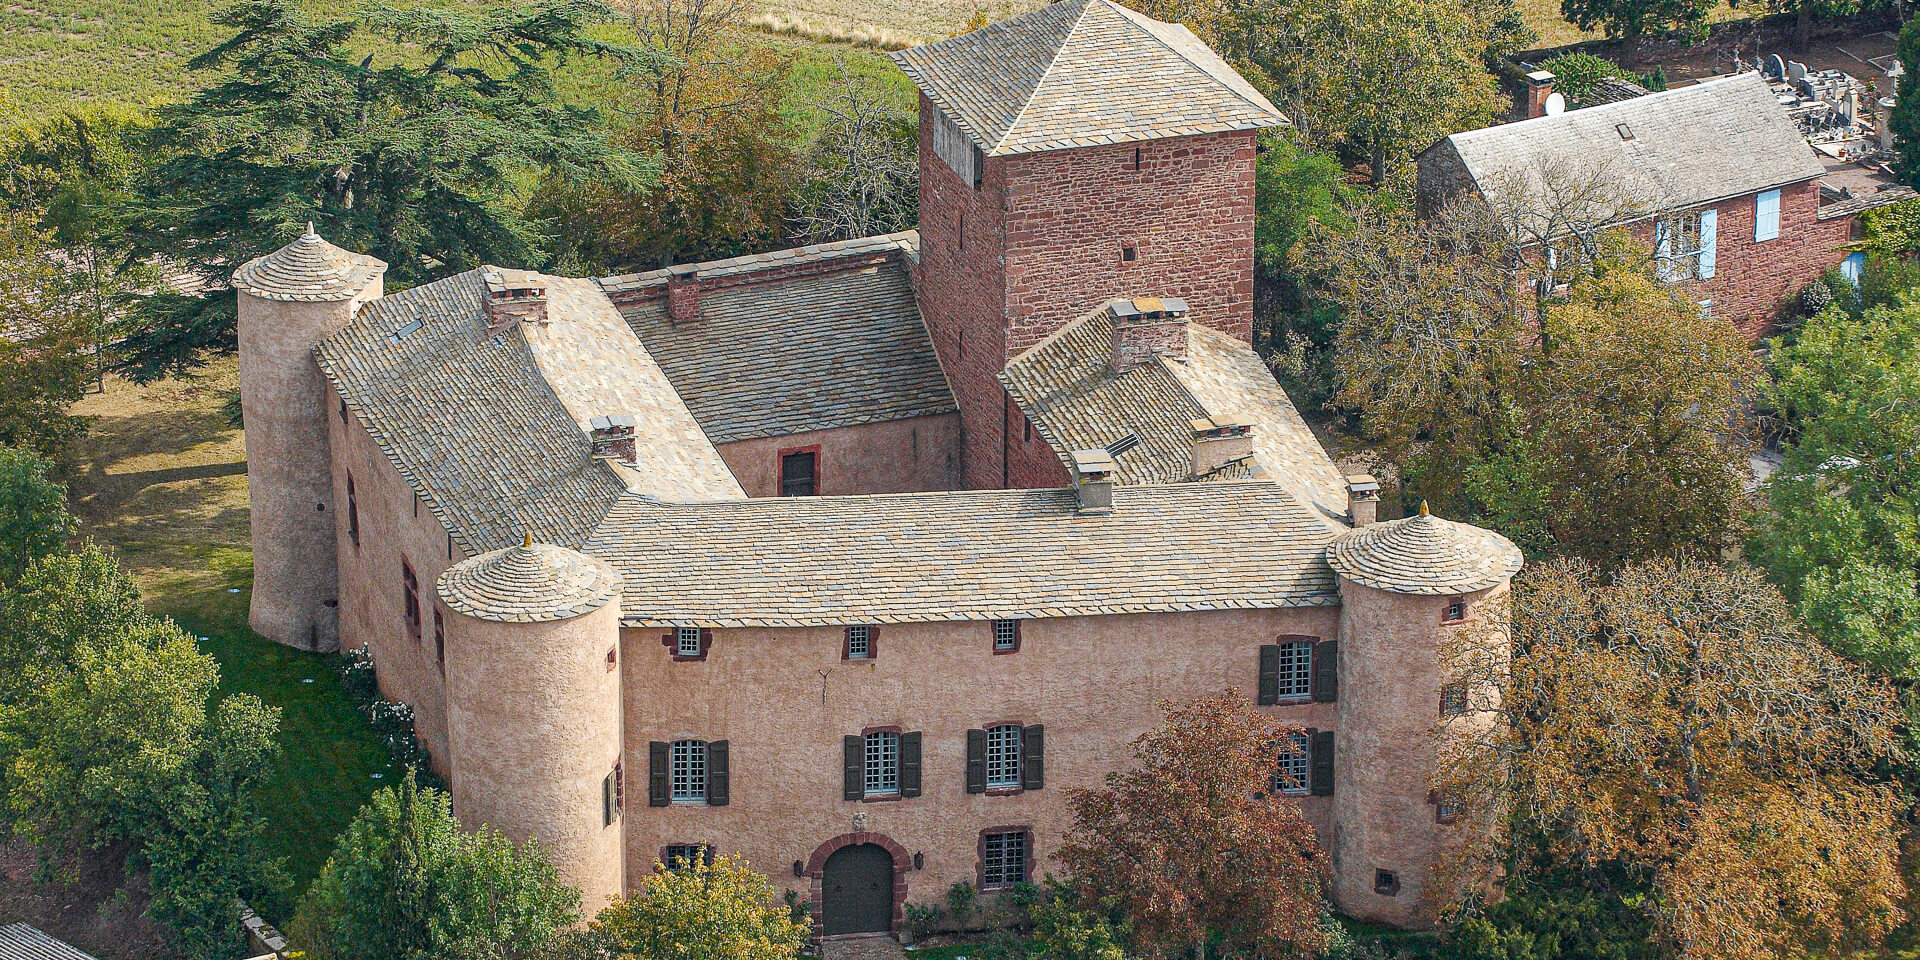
(162, 478)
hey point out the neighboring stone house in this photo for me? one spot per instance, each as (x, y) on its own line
(1716, 175)
(852, 559)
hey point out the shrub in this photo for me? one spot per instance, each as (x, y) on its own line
(922, 919)
(962, 901)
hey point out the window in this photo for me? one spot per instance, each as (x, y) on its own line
(683, 856)
(1456, 610)
(1136, 159)
(1006, 636)
(686, 641)
(1028, 422)
(1003, 858)
(353, 512)
(1445, 808)
(343, 409)
(1386, 883)
(1453, 699)
(410, 588)
(1128, 254)
(859, 642)
(1852, 266)
(613, 794)
(883, 764)
(689, 771)
(798, 473)
(439, 641)
(1003, 756)
(1296, 670)
(1766, 215)
(1684, 246)
(1290, 774)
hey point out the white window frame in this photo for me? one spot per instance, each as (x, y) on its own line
(686, 641)
(1003, 756)
(1685, 246)
(1296, 670)
(1294, 766)
(688, 770)
(859, 642)
(999, 867)
(1766, 216)
(882, 763)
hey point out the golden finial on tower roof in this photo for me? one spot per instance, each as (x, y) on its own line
(1423, 509)
(526, 542)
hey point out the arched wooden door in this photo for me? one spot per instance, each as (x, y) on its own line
(856, 890)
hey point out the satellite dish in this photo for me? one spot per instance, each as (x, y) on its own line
(1556, 104)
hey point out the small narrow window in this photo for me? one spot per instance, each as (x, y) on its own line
(410, 599)
(689, 771)
(1127, 254)
(1291, 773)
(1136, 159)
(1003, 756)
(960, 233)
(613, 794)
(799, 473)
(449, 545)
(613, 658)
(883, 764)
(416, 506)
(353, 512)
(439, 641)
(686, 641)
(1029, 428)
(343, 409)
(859, 642)
(1453, 699)
(1386, 883)
(1003, 858)
(1006, 636)
(1456, 609)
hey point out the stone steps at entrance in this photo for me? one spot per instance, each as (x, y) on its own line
(879, 946)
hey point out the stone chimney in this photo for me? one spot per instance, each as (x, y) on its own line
(1363, 499)
(1146, 328)
(1539, 88)
(1218, 442)
(514, 296)
(683, 293)
(1093, 481)
(613, 437)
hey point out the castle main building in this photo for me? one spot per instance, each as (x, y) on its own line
(851, 559)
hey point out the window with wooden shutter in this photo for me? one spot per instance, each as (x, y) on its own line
(1269, 690)
(1003, 756)
(853, 767)
(1320, 776)
(910, 764)
(659, 774)
(1291, 774)
(1326, 671)
(719, 780)
(976, 761)
(1033, 752)
(689, 768)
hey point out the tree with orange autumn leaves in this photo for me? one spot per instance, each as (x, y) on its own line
(1673, 729)
(1194, 848)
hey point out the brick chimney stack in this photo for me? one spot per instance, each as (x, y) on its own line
(1219, 442)
(1093, 481)
(1539, 88)
(613, 437)
(514, 296)
(1147, 328)
(683, 293)
(1363, 499)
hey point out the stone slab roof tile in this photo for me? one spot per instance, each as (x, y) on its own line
(1082, 73)
(22, 941)
(529, 583)
(308, 269)
(907, 241)
(1424, 555)
(972, 556)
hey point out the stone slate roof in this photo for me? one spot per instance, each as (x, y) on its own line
(1424, 555)
(1689, 146)
(491, 430)
(21, 941)
(1080, 73)
(806, 353)
(906, 242)
(969, 556)
(530, 583)
(1066, 386)
(308, 269)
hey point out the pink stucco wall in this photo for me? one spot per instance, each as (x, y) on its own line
(897, 456)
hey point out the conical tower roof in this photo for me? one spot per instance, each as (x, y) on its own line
(308, 269)
(1080, 73)
(1424, 555)
(530, 583)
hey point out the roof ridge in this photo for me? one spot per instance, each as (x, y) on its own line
(1059, 332)
(1128, 15)
(1052, 62)
(1607, 107)
(805, 253)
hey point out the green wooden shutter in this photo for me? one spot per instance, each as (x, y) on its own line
(1269, 674)
(853, 761)
(1320, 763)
(719, 779)
(910, 764)
(659, 782)
(1033, 757)
(1326, 671)
(976, 761)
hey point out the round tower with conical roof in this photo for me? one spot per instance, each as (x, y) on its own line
(288, 301)
(1416, 594)
(533, 707)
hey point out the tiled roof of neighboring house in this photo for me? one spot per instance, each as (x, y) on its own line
(978, 555)
(20, 941)
(1065, 384)
(1424, 555)
(491, 430)
(530, 583)
(1676, 148)
(1613, 90)
(1079, 73)
(308, 269)
(809, 352)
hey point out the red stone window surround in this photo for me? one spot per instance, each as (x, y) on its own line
(1456, 610)
(800, 471)
(1005, 874)
(672, 641)
(860, 642)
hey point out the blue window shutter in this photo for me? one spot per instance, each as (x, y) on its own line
(1709, 230)
(1851, 267)
(1766, 215)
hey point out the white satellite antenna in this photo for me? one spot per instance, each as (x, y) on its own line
(1556, 104)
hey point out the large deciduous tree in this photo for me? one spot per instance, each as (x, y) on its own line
(1628, 20)
(723, 910)
(1192, 845)
(47, 338)
(34, 521)
(1671, 739)
(418, 161)
(862, 169)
